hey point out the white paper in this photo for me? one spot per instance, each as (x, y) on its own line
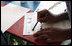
(47, 4)
(29, 22)
(10, 14)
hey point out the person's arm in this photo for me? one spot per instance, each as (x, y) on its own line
(46, 16)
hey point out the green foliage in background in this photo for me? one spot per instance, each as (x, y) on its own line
(14, 40)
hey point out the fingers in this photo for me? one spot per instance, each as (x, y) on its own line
(42, 37)
(42, 15)
(45, 38)
(52, 40)
(39, 33)
(43, 31)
